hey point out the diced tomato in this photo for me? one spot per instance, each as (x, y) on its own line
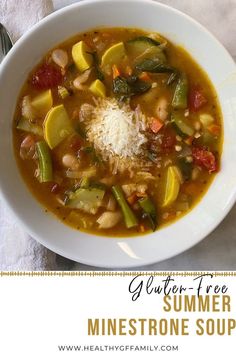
(168, 141)
(204, 158)
(196, 99)
(47, 76)
(155, 125)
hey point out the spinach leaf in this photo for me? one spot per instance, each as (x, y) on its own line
(140, 86)
(121, 86)
(154, 66)
(130, 86)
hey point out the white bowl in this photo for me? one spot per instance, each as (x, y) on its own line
(127, 251)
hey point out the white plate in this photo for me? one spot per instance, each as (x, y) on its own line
(104, 251)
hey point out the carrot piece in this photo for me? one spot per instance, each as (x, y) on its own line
(144, 76)
(132, 198)
(156, 125)
(189, 140)
(115, 71)
(214, 129)
(141, 228)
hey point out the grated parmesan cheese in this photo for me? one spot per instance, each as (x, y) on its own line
(115, 130)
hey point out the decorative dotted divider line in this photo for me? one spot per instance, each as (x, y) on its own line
(111, 273)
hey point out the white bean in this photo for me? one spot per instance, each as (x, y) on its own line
(162, 108)
(109, 219)
(81, 79)
(60, 57)
(70, 161)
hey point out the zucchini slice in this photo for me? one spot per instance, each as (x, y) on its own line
(25, 125)
(180, 124)
(88, 200)
(141, 48)
(139, 45)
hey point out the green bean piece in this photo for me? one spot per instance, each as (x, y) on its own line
(45, 162)
(150, 211)
(180, 99)
(129, 216)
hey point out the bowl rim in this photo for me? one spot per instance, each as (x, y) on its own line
(26, 225)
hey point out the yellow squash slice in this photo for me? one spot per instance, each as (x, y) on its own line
(98, 88)
(114, 54)
(43, 102)
(173, 181)
(80, 54)
(57, 126)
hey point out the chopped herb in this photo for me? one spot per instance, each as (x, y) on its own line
(152, 156)
(80, 130)
(90, 150)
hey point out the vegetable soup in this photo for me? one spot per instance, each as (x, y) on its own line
(118, 132)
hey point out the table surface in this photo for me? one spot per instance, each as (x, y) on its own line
(218, 250)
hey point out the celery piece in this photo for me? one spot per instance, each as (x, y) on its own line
(45, 162)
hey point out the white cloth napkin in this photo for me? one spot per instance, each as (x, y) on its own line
(18, 251)
(20, 15)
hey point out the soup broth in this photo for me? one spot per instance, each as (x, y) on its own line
(118, 131)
